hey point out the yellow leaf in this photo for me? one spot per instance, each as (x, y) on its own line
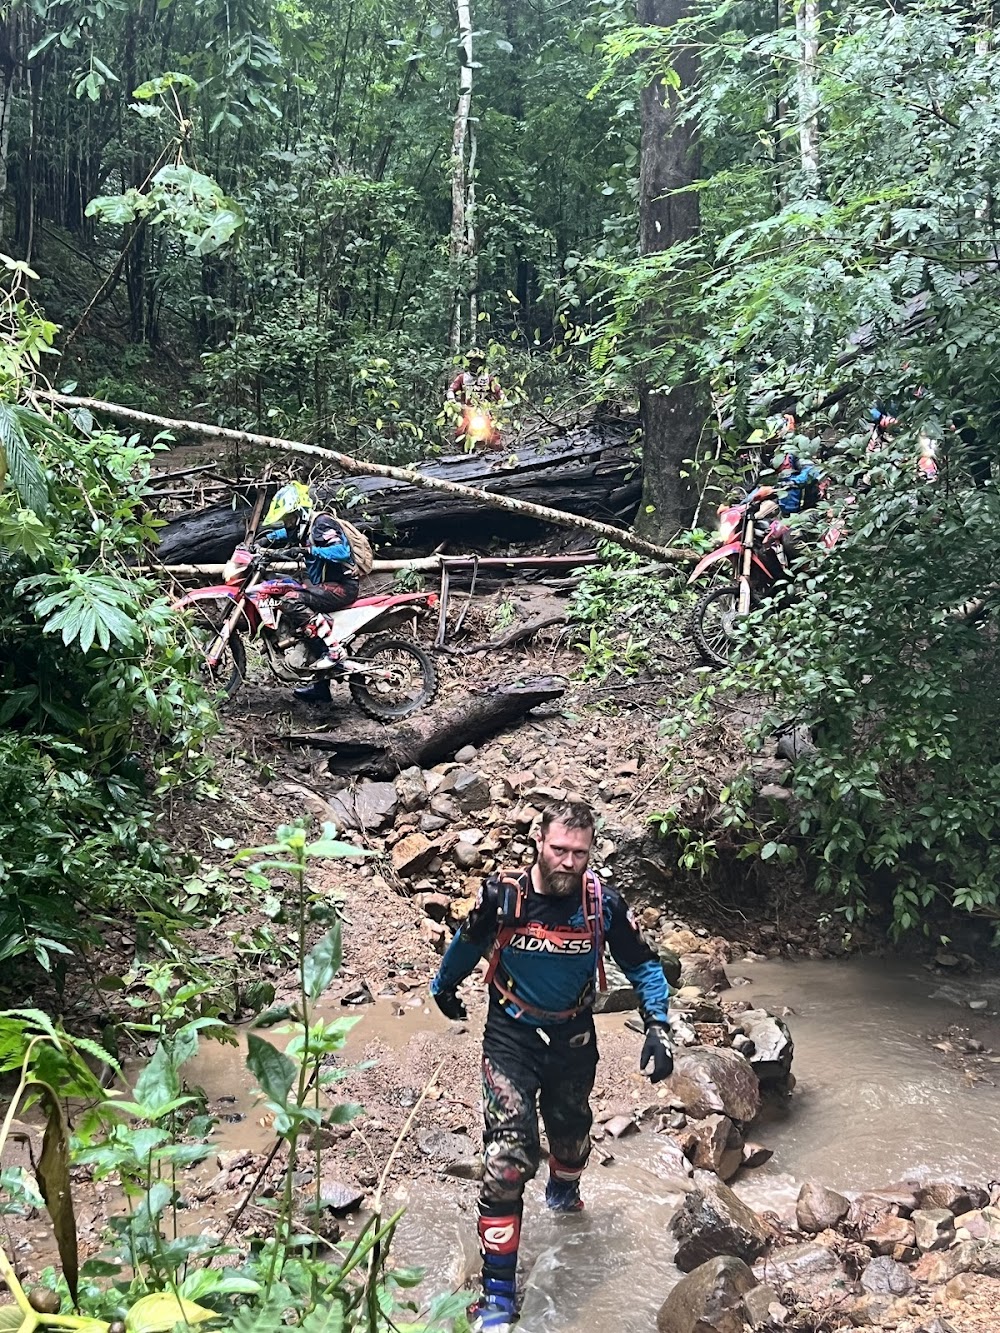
(160, 1312)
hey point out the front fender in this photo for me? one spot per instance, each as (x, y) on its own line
(219, 592)
(727, 552)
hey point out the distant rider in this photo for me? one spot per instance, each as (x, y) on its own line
(475, 390)
(293, 520)
(543, 931)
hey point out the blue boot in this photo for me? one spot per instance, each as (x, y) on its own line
(562, 1193)
(496, 1309)
(316, 693)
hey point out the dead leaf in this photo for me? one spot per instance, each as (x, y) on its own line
(52, 1174)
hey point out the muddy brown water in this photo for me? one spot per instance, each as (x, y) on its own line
(875, 1103)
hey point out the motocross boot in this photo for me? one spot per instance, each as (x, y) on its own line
(499, 1235)
(562, 1191)
(316, 693)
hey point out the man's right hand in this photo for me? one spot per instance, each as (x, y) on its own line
(451, 1006)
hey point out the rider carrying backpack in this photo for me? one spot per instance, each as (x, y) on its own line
(332, 568)
(543, 930)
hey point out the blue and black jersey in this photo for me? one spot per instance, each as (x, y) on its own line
(329, 551)
(549, 960)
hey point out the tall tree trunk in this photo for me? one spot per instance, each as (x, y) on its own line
(807, 30)
(8, 70)
(669, 213)
(459, 238)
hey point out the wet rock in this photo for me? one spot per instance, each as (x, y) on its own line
(950, 1194)
(809, 1270)
(375, 804)
(773, 1045)
(702, 971)
(934, 1228)
(445, 808)
(468, 788)
(339, 1197)
(755, 1154)
(411, 789)
(709, 1140)
(672, 1164)
(620, 1125)
(443, 1145)
(671, 965)
(819, 1209)
(468, 1169)
(762, 1309)
(710, 1080)
(413, 854)
(709, 1299)
(465, 856)
(889, 1233)
(884, 1277)
(868, 1209)
(619, 998)
(680, 942)
(713, 1221)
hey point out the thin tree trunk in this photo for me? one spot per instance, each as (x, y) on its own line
(674, 415)
(361, 467)
(807, 30)
(458, 173)
(471, 248)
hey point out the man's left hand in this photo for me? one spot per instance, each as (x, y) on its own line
(657, 1048)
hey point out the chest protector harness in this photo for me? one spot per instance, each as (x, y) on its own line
(512, 919)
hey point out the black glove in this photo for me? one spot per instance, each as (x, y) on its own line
(656, 1047)
(450, 1005)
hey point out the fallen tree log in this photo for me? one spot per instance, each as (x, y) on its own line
(428, 738)
(487, 496)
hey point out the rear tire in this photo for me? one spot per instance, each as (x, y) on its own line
(394, 699)
(712, 620)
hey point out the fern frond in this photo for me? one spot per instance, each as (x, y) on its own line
(20, 464)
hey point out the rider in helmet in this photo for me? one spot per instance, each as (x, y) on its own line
(473, 389)
(293, 520)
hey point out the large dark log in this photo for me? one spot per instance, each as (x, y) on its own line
(430, 737)
(593, 472)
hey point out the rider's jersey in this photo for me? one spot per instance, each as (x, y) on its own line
(329, 558)
(549, 962)
(471, 389)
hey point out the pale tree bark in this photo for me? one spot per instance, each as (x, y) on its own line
(471, 246)
(459, 176)
(8, 70)
(807, 31)
(361, 467)
(670, 162)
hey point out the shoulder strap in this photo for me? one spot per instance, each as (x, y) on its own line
(510, 913)
(593, 913)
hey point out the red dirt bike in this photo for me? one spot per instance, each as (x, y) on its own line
(395, 676)
(477, 430)
(752, 542)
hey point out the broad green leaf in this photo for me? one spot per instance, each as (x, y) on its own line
(159, 1084)
(272, 1068)
(159, 1313)
(323, 963)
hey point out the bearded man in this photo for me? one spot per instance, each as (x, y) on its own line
(543, 930)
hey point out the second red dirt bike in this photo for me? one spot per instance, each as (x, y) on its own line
(751, 541)
(394, 676)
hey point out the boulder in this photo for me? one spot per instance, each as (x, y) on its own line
(709, 1299)
(950, 1194)
(985, 1259)
(436, 905)
(819, 1209)
(711, 1222)
(762, 1309)
(413, 854)
(465, 856)
(710, 1142)
(888, 1233)
(339, 1197)
(755, 1154)
(468, 788)
(702, 971)
(445, 808)
(432, 823)
(884, 1277)
(680, 942)
(934, 1228)
(810, 1270)
(466, 754)
(937, 1266)
(713, 1080)
(979, 1224)
(773, 1045)
(411, 789)
(671, 1164)
(375, 804)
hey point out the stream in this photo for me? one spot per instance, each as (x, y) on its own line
(875, 1103)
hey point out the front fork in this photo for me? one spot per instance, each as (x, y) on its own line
(221, 641)
(746, 559)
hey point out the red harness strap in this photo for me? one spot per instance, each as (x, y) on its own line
(593, 916)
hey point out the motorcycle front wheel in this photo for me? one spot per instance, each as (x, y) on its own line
(230, 671)
(403, 678)
(713, 622)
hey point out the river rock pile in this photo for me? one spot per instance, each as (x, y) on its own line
(907, 1257)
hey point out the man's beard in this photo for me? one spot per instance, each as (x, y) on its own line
(560, 883)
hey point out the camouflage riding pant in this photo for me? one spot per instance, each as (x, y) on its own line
(523, 1075)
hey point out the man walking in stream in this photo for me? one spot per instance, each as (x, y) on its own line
(543, 931)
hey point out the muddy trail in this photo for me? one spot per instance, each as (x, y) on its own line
(895, 1062)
